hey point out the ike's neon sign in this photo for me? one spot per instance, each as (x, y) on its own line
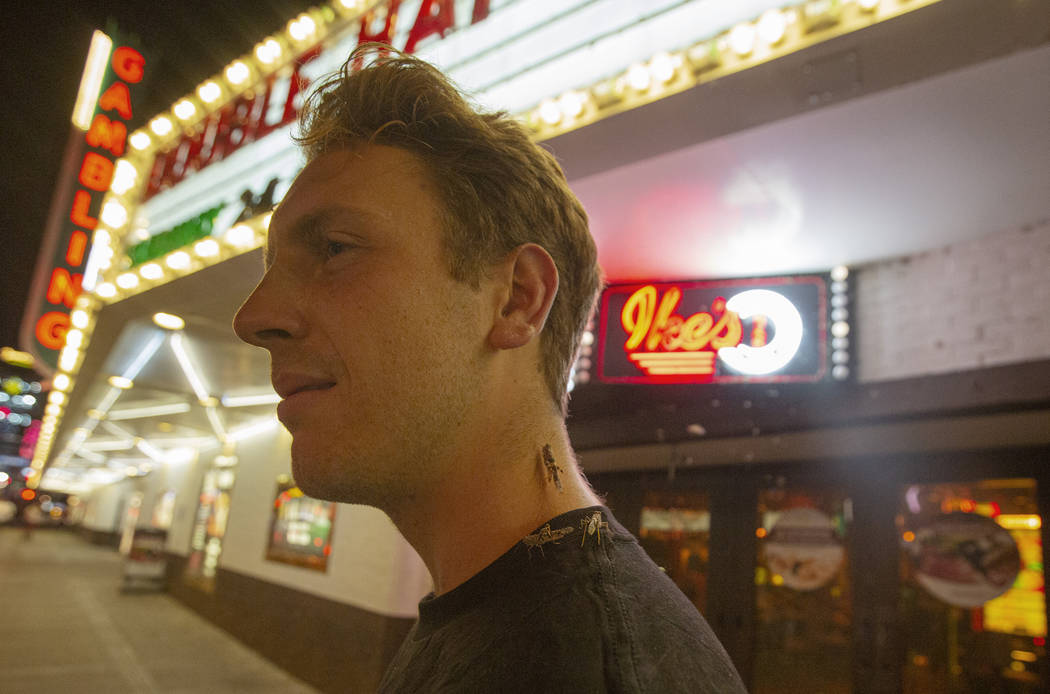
(691, 332)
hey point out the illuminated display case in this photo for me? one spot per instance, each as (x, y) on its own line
(300, 528)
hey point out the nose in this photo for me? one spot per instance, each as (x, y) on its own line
(270, 315)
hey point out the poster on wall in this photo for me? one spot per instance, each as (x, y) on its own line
(964, 559)
(300, 528)
(803, 549)
(209, 527)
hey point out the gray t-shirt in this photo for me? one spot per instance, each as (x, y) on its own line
(578, 607)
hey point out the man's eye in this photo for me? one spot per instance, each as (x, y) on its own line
(334, 248)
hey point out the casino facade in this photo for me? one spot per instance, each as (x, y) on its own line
(816, 386)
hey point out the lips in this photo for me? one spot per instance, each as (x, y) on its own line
(299, 394)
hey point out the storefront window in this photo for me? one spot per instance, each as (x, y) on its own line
(675, 530)
(972, 591)
(802, 591)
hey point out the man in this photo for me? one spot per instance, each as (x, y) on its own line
(428, 277)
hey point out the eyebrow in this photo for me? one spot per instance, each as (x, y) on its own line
(310, 225)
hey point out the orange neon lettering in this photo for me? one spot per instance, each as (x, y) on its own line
(96, 172)
(128, 64)
(637, 315)
(650, 319)
(107, 134)
(64, 287)
(79, 213)
(116, 98)
(76, 247)
(51, 329)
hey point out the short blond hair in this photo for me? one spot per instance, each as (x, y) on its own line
(499, 188)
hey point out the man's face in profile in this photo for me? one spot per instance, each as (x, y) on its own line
(375, 349)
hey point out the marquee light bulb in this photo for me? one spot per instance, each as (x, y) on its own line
(742, 39)
(79, 318)
(124, 176)
(114, 214)
(663, 66)
(302, 27)
(184, 109)
(61, 382)
(549, 112)
(179, 260)
(868, 5)
(56, 397)
(127, 280)
(206, 248)
(161, 126)
(771, 26)
(268, 51)
(572, 103)
(839, 273)
(638, 78)
(151, 271)
(237, 72)
(241, 236)
(140, 140)
(209, 92)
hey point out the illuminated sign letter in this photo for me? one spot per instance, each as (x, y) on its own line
(117, 98)
(79, 214)
(107, 134)
(128, 64)
(63, 288)
(435, 17)
(76, 247)
(51, 329)
(384, 34)
(96, 172)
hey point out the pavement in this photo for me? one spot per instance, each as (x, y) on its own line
(65, 626)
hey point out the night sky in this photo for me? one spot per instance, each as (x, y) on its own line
(44, 47)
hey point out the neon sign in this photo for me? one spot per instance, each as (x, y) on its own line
(60, 269)
(770, 329)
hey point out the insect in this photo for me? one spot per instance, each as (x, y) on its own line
(552, 466)
(591, 525)
(545, 535)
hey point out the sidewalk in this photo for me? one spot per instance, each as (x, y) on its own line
(66, 627)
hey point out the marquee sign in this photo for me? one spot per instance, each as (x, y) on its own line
(769, 329)
(60, 270)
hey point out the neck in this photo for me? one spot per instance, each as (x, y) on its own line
(493, 494)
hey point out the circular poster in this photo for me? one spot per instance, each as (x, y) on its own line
(803, 549)
(964, 559)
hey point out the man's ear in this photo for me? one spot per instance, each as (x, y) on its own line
(533, 283)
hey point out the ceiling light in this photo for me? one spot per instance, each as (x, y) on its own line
(188, 368)
(249, 430)
(250, 400)
(168, 321)
(149, 411)
(121, 382)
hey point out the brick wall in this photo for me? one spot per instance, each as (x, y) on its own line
(973, 304)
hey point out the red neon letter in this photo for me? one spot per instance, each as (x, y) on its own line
(435, 17)
(128, 64)
(64, 288)
(76, 247)
(481, 11)
(79, 213)
(116, 98)
(96, 172)
(107, 134)
(51, 329)
(383, 35)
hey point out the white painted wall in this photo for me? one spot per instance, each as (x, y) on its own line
(974, 304)
(371, 565)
